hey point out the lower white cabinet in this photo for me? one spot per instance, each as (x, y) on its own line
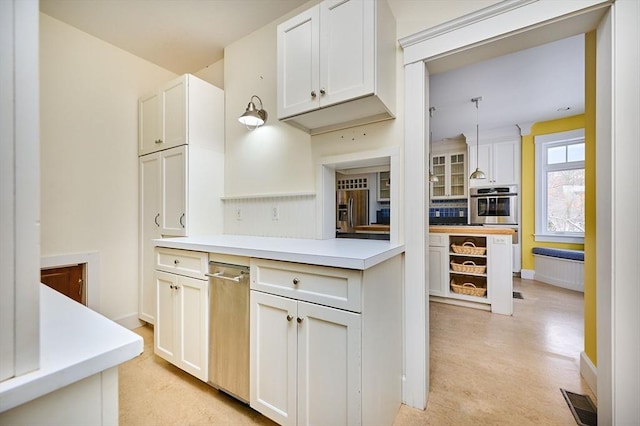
(181, 331)
(326, 343)
(307, 360)
(438, 260)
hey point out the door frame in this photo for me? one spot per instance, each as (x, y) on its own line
(618, 355)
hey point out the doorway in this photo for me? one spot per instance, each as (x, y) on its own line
(68, 280)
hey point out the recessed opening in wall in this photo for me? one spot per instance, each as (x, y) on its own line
(363, 198)
(355, 195)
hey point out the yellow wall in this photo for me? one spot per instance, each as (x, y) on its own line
(529, 188)
(590, 343)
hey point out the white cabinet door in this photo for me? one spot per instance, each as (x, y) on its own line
(273, 357)
(500, 161)
(182, 322)
(506, 163)
(174, 113)
(173, 214)
(150, 199)
(329, 354)
(150, 125)
(499, 275)
(165, 329)
(451, 171)
(298, 67)
(438, 267)
(192, 297)
(346, 50)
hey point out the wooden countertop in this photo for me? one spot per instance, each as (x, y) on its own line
(372, 228)
(486, 230)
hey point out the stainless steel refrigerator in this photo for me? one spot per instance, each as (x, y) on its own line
(352, 209)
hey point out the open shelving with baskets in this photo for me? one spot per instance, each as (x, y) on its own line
(468, 266)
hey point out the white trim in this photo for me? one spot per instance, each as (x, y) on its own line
(527, 274)
(273, 195)
(130, 321)
(460, 35)
(92, 260)
(589, 372)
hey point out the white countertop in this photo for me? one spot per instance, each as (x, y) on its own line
(336, 252)
(75, 343)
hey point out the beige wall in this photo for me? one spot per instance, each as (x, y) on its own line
(89, 165)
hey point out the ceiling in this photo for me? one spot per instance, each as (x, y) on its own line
(185, 36)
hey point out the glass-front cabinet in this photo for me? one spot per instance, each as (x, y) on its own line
(451, 170)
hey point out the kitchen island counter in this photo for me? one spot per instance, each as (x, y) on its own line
(339, 252)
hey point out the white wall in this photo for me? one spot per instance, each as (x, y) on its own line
(89, 164)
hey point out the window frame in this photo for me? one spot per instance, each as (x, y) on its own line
(543, 142)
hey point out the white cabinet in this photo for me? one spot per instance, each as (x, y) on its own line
(499, 160)
(181, 331)
(182, 111)
(384, 186)
(451, 171)
(307, 370)
(180, 187)
(438, 261)
(335, 52)
(326, 343)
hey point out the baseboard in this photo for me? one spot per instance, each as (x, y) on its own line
(527, 274)
(589, 373)
(130, 321)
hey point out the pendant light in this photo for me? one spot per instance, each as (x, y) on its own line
(432, 177)
(478, 174)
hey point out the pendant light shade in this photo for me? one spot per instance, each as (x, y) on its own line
(477, 174)
(432, 177)
(253, 117)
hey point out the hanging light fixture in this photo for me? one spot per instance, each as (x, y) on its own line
(478, 174)
(253, 117)
(432, 177)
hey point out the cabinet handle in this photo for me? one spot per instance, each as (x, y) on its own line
(289, 317)
(300, 320)
(158, 141)
(176, 261)
(313, 94)
(322, 92)
(296, 281)
(156, 220)
(182, 220)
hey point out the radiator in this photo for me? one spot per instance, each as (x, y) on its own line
(563, 273)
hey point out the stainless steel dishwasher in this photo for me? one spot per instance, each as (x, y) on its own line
(229, 329)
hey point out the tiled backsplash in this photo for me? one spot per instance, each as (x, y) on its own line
(448, 208)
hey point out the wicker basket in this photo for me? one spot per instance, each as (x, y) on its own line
(468, 266)
(469, 289)
(468, 248)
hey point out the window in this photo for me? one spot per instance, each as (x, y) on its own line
(560, 189)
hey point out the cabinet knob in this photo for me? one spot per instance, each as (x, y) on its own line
(300, 320)
(171, 286)
(175, 262)
(322, 92)
(313, 93)
(158, 141)
(296, 281)
(289, 317)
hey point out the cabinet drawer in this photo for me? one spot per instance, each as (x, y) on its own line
(182, 262)
(438, 240)
(335, 287)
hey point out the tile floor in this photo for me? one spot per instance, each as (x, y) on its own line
(486, 369)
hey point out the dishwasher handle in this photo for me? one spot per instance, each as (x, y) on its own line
(221, 276)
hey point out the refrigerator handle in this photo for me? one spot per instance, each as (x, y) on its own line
(350, 213)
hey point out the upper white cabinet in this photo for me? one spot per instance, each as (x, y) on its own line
(180, 187)
(180, 112)
(451, 170)
(499, 160)
(336, 65)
